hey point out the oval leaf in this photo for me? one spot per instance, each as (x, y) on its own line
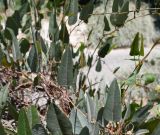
(99, 65)
(104, 50)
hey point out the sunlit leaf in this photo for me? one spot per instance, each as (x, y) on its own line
(149, 78)
(82, 60)
(33, 116)
(142, 46)
(23, 124)
(135, 46)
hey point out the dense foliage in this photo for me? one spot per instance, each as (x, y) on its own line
(54, 69)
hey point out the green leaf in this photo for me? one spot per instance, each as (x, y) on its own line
(76, 72)
(24, 46)
(142, 46)
(118, 19)
(15, 46)
(86, 11)
(99, 65)
(33, 59)
(26, 23)
(156, 130)
(104, 50)
(2, 131)
(78, 120)
(132, 79)
(43, 45)
(13, 111)
(89, 61)
(112, 109)
(6, 61)
(84, 131)
(2, 38)
(38, 129)
(91, 108)
(138, 5)
(100, 115)
(64, 35)
(24, 9)
(64, 121)
(67, 7)
(55, 51)
(53, 27)
(82, 60)
(135, 46)
(33, 116)
(1, 56)
(151, 124)
(82, 47)
(65, 72)
(96, 129)
(57, 3)
(2, 6)
(141, 114)
(73, 11)
(149, 78)
(3, 96)
(13, 22)
(23, 124)
(115, 6)
(106, 24)
(57, 122)
(52, 121)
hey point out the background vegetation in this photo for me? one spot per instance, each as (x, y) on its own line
(43, 90)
